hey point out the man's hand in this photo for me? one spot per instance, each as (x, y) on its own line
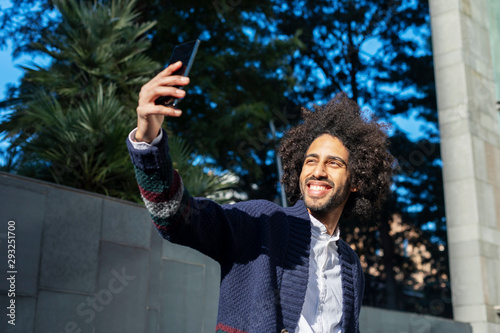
(149, 115)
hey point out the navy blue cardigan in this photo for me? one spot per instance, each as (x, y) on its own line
(262, 248)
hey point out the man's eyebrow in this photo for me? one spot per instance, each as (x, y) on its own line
(329, 157)
(311, 155)
(337, 158)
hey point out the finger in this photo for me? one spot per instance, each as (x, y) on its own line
(170, 69)
(150, 95)
(159, 87)
(158, 110)
(174, 80)
(167, 71)
(157, 92)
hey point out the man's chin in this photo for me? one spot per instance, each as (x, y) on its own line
(317, 207)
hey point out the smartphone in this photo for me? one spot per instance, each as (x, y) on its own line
(185, 53)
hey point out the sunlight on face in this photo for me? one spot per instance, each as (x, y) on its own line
(325, 181)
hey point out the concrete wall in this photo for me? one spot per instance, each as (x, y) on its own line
(89, 263)
(375, 320)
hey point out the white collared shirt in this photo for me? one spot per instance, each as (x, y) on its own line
(322, 308)
(143, 145)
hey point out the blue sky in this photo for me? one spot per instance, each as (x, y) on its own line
(10, 74)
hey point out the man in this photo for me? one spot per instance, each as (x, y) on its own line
(282, 269)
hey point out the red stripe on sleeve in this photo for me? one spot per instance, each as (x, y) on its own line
(227, 329)
(158, 197)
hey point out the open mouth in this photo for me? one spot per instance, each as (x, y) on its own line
(318, 189)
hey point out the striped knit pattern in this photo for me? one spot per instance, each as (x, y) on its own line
(221, 328)
(262, 248)
(162, 205)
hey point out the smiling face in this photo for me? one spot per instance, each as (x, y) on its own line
(325, 181)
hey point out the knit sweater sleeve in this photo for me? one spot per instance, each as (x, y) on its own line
(219, 231)
(352, 287)
(360, 286)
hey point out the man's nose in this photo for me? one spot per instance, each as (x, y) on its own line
(319, 171)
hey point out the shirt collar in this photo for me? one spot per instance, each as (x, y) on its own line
(319, 228)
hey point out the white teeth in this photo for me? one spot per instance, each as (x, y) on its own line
(317, 188)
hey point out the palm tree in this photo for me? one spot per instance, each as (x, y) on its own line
(67, 123)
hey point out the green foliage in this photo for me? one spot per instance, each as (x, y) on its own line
(95, 44)
(68, 122)
(250, 91)
(377, 51)
(83, 146)
(239, 82)
(25, 22)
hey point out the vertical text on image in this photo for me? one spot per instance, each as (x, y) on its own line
(11, 271)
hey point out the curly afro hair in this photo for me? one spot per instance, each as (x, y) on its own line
(370, 162)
